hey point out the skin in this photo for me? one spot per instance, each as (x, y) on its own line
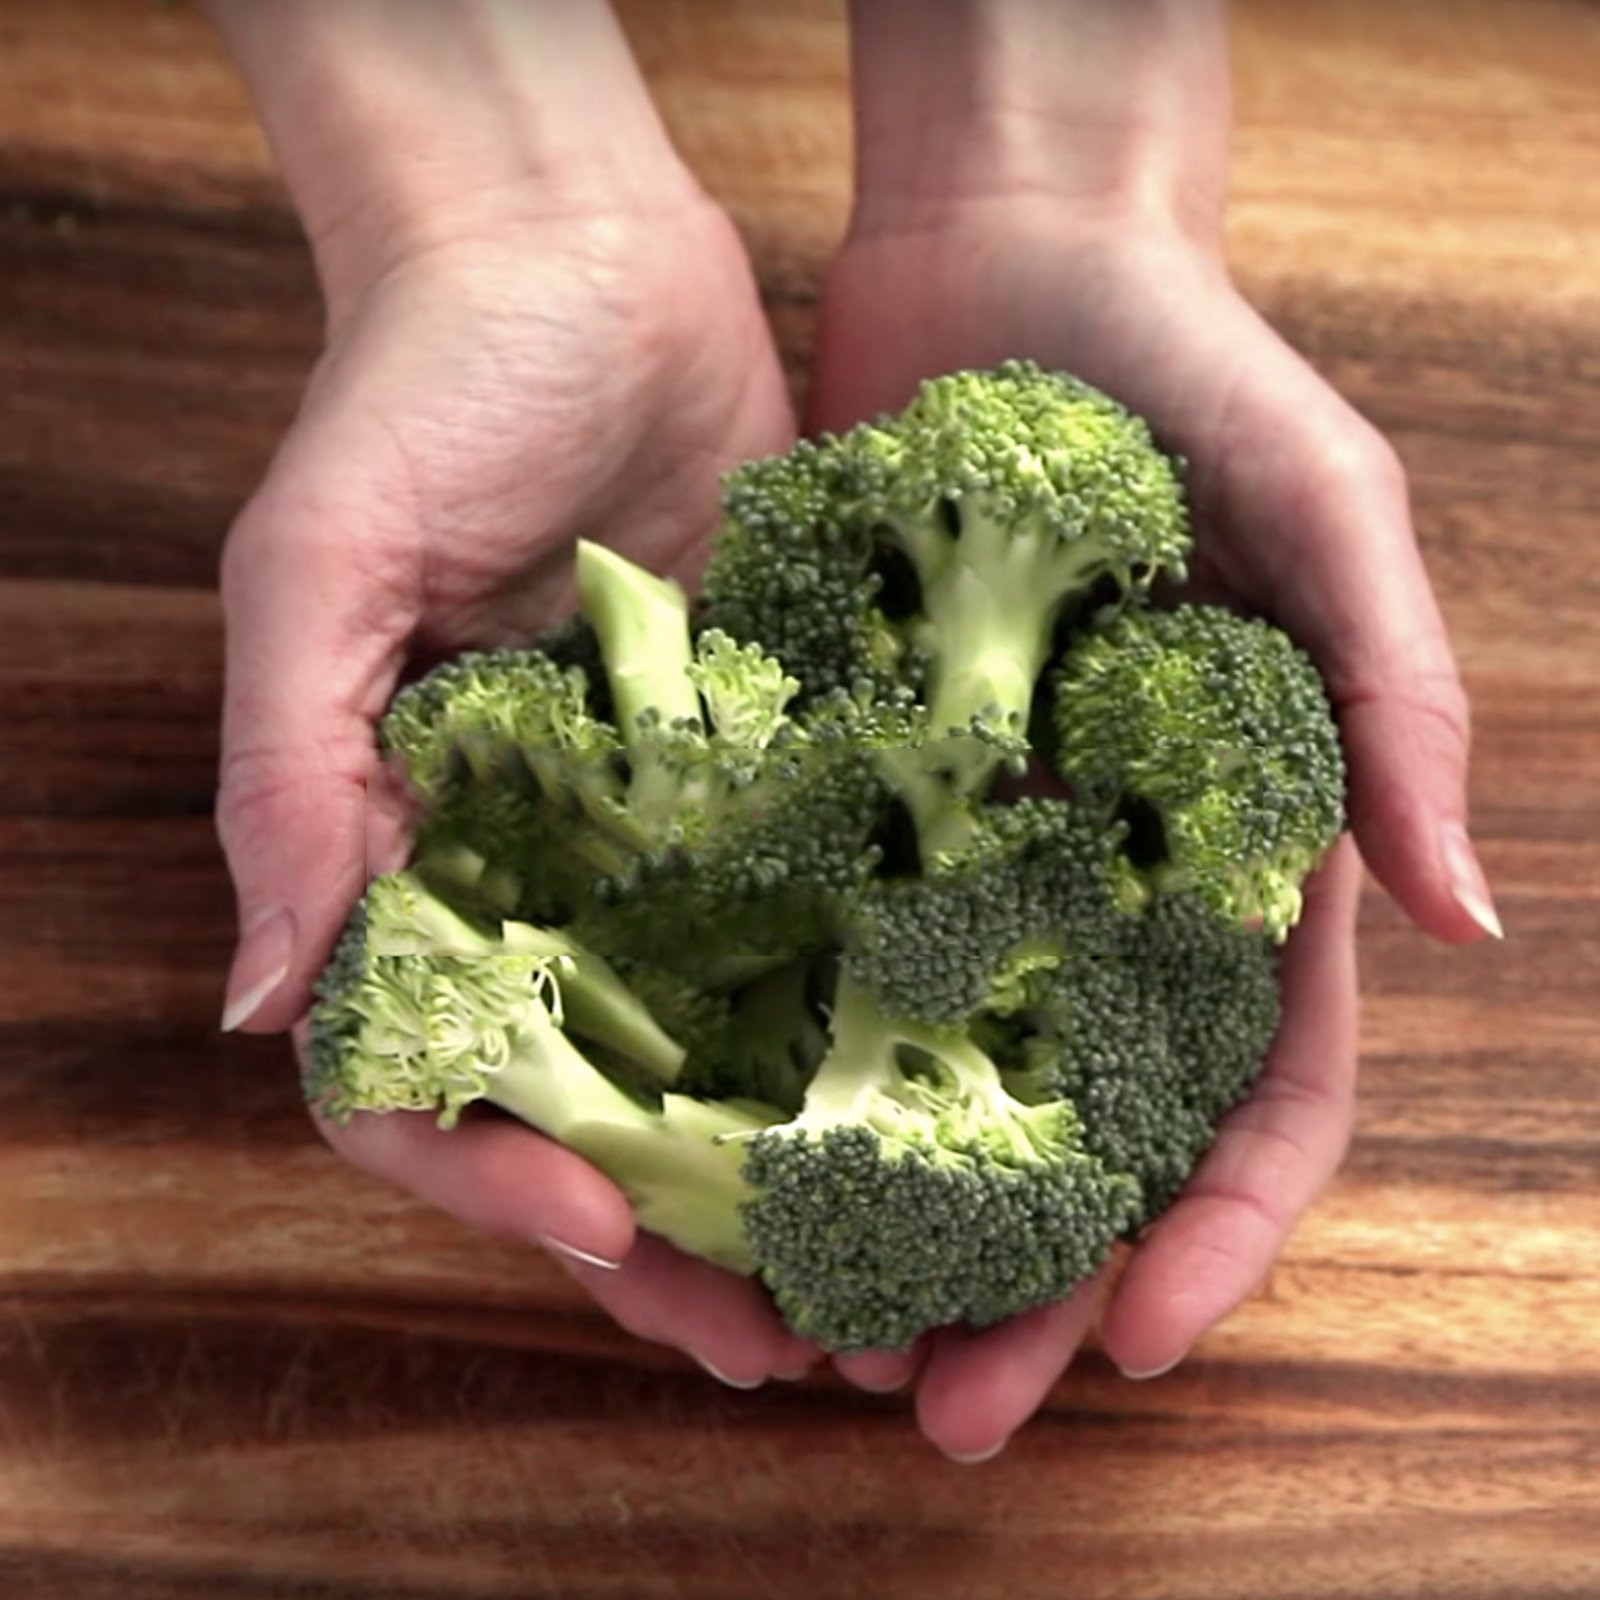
(536, 333)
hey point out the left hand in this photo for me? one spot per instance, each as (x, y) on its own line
(1301, 514)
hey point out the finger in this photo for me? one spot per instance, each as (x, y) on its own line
(1402, 710)
(977, 1389)
(495, 1176)
(725, 1322)
(500, 1178)
(1326, 509)
(1273, 1155)
(315, 638)
(881, 1371)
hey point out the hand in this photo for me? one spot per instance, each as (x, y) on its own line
(982, 241)
(531, 362)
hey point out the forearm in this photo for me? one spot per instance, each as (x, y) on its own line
(1108, 106)
(399, 123)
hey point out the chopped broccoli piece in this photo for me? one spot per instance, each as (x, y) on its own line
(705, 831)
(939, 548)
(513, 766)
(420, 1011)
(1212, 737)
(1034, 884)
(791, 573)
(1153, 1036)
(913, 1191)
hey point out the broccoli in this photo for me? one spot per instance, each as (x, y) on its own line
(1153, 1035)
(703, 830)
(734, 898)
(939, 549)
(1034, 883)
(1212, 737)
(764, 1041)
(1152, 1019)
(913, 1191)
(420, 1010)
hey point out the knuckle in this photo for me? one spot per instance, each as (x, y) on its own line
(1357, 459)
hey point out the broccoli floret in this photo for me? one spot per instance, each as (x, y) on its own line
(1212, 736)
(511, 764)
(1154, 1036)
(913, 1191)
(1153, 1019)
(1033, 885)
(939, 548)
(419, 1010)
(791, 572)
(704, 831)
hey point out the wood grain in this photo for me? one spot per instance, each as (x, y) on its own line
(229, 1367)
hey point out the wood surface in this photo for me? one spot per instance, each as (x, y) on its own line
(229, 1367)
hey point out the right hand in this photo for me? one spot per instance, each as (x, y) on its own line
(479, 405)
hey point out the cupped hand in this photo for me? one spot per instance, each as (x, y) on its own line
(1301, 515)
(479, 405)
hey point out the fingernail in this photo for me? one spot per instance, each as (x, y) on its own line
(260, 966)
(971, 1458)
(793, 1374)
(891, 1386)
(722, 1377)
(1467, 882)
(1142, 1375)
(573, 1253)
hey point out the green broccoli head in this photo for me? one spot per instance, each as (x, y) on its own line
(913, 1191)
(1153, 1035)
(793, 574)
(421, 1010)
(1011, 493)
(1034, 883)
(511, 763)
(940, 549)
(1212, 736)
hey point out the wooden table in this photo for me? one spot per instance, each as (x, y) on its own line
(231, 1368)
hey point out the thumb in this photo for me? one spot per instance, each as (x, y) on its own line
(313, 650)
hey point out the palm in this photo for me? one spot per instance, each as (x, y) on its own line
(486, 405)
(1154, 322)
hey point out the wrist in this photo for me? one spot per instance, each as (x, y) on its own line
(1116, 110)
(399, 126)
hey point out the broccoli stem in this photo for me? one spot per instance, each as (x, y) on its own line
(962, 1093)
(992, 589)
(598, 1005)
(680, 1165)
(549, 1083)
(642, 623)
(993, 612)
(863, 1065)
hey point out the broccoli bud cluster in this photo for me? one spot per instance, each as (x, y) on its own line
(895, 920)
